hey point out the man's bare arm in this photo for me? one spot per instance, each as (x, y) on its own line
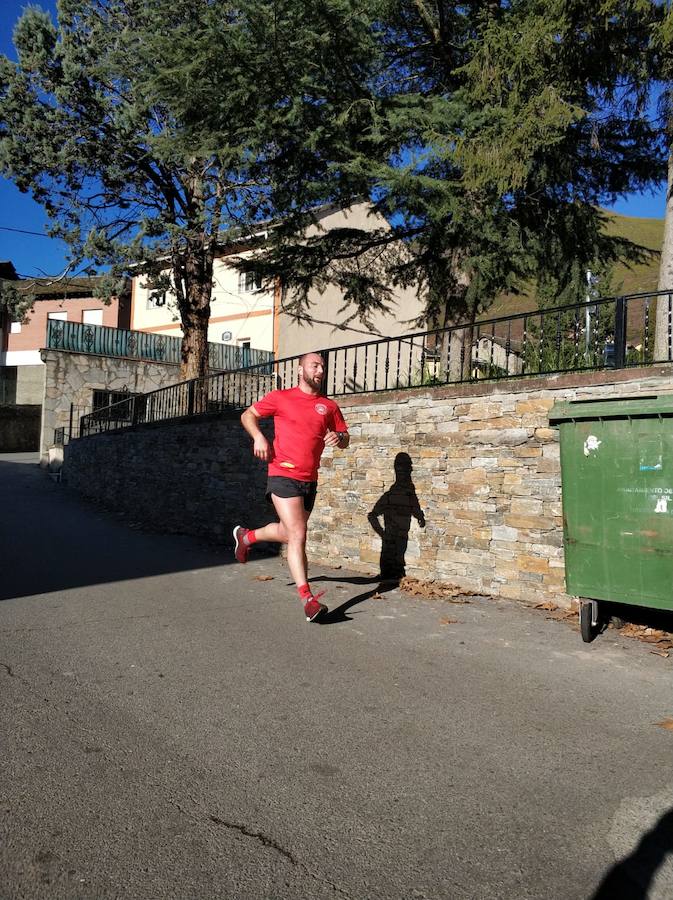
(250, 421)
(340, 439)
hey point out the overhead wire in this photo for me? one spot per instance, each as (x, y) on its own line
(24, 231)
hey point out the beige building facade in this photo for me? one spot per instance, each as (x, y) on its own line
(241, 311)
(327, 323)
(246, 314)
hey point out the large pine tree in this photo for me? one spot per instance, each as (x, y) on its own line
(487, 133)
(492, 134)
(137, 123)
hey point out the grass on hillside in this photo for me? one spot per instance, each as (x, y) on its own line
(626, 279)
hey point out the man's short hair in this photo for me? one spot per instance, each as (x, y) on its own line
(310, 353)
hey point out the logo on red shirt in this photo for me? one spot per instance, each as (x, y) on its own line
(321, 408)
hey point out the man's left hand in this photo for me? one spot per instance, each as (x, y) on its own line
(332, 439)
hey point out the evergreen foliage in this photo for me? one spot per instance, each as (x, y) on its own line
(487, 133)
(493, 133)
(143, 127)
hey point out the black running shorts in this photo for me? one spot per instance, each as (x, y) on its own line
(291, 487)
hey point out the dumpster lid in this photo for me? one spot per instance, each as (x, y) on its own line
(620, 408)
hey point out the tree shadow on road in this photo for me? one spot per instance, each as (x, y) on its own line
(632, 877)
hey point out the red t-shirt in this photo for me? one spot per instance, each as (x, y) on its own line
(301, 421)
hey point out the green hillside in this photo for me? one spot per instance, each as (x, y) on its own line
(627, 279)
(646, 233)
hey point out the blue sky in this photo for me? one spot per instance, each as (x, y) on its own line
(38, 254)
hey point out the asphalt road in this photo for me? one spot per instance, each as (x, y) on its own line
(171, 727)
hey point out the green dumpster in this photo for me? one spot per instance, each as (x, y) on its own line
(617, 485)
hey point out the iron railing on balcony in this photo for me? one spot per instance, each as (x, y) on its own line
(105, 341)
(613, 332)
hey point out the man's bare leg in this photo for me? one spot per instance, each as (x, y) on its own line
(293, 520)
(274, 532)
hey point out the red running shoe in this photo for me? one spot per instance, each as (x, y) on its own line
(241, 549)
(313, 608)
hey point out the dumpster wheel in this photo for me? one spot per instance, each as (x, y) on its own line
(589, 619)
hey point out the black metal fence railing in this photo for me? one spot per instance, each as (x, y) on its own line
(214, 393)
(71, 430)
(614, 332)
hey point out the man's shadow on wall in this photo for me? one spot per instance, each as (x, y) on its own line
(396, 508)
(391, 519)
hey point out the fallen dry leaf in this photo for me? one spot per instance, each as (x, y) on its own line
(663, 653)
(663, 639)
(562, 615)
(666, 723)
(546, 605)
(434, 590)
(377, 596)
(447, 621)
(264, 577)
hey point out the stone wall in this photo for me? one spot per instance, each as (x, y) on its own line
(485, 471)
(193, 476)
(72, 378)
(19, 428)
(464, 483)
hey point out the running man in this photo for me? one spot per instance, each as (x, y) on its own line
(305, 421)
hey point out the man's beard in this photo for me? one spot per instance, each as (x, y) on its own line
(314, 382)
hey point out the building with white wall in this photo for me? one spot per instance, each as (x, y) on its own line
(245, 314)
(241, 311)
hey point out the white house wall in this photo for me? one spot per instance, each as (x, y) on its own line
(247, 315)
(21, 358)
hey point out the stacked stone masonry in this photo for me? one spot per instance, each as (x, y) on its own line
(71, 378)
(485, 471)
(188, 477)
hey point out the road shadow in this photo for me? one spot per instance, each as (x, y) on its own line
(632, 877)
(52, 539)
(339, 613)
(352, 579)
(395, 509)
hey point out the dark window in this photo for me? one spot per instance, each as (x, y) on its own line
(249, 281)
(102, 399)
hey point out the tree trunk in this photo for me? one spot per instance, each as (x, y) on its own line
(196, 270)
(663, 325)
(195, 343)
